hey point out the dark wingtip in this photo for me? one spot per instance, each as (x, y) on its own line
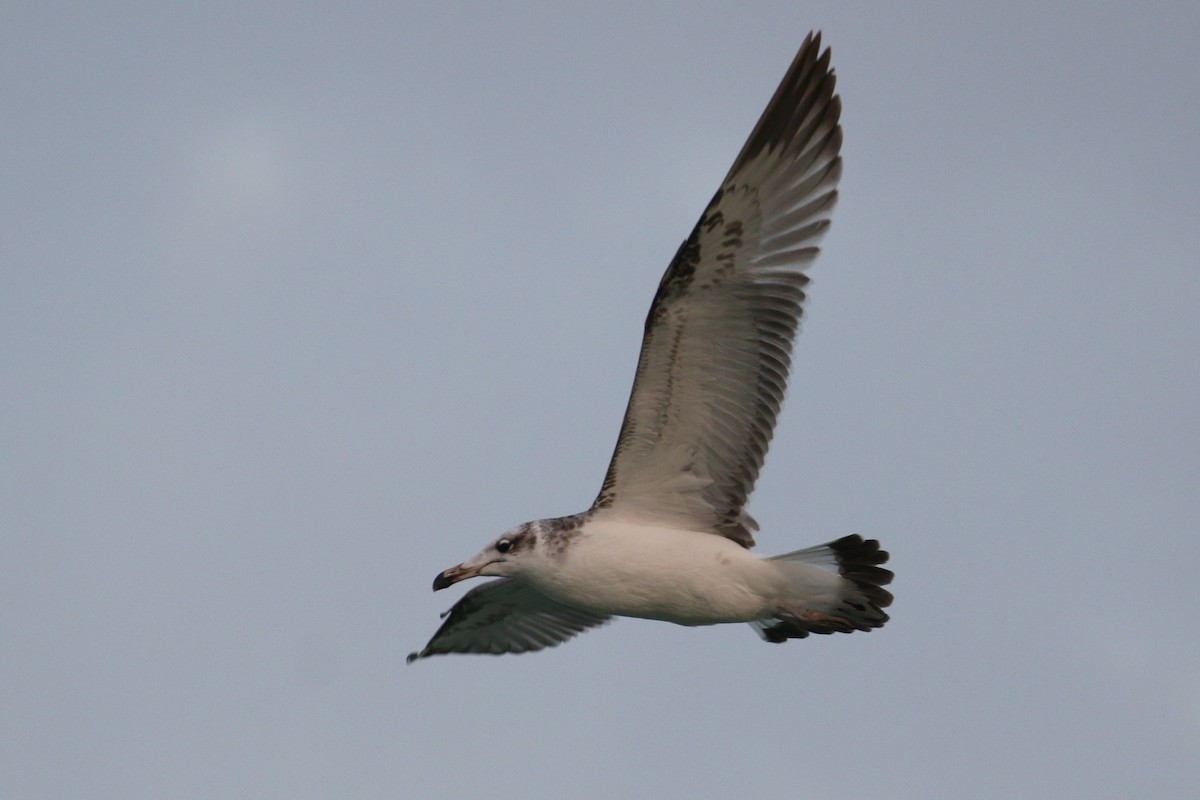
(809, 84)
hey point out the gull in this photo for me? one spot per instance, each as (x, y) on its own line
(668, 537)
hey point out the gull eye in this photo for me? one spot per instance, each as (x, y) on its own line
(504, 545)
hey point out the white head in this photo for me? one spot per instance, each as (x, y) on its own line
(504, 557)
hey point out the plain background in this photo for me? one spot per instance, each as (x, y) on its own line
(302, 304)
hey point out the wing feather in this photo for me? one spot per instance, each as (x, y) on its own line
(717, 347)
(506, 616)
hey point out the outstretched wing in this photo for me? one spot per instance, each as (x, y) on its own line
(718, 340)
(506, 616)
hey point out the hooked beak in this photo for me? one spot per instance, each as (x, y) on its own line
(454, 575)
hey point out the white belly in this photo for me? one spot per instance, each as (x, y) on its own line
(661, 573)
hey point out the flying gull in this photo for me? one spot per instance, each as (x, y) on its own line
(668, 537)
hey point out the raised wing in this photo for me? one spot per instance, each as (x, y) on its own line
(506, 616)
(718, 341)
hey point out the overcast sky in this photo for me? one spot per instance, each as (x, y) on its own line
(300, 306)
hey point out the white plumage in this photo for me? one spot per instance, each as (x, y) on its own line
(634, 570)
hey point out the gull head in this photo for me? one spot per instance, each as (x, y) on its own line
(503, 557)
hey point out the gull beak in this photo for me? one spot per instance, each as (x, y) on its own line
(454, 575)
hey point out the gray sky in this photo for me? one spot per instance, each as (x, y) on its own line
(300, 306)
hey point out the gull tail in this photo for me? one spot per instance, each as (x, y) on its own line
(855, 603)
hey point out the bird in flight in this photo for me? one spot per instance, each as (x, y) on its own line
(668, 537)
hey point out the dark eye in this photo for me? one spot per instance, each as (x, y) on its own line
(504, 545)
